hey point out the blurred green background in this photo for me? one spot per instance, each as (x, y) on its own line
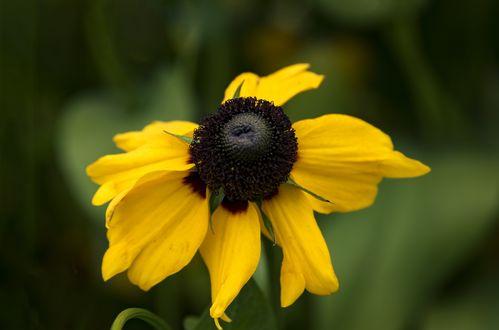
(74, 73)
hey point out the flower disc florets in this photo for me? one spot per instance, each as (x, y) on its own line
(246, 149)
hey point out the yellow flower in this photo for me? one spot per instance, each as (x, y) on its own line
(247, 151)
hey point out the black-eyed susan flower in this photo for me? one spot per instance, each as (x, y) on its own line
(249, 153)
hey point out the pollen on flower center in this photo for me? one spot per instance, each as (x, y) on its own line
(246, 149)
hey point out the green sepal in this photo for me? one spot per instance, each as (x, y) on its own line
(269, 227)
(139, 313)
(237, 92)
(184, 138)
(322, 199)
(215, 200)
(266, 221)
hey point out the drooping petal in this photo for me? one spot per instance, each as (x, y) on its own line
(116, 173)
(155, 230)
(306, 263)
(278, 87)
(117, 199)
(231, 252)
(342, 159)
(152, 133)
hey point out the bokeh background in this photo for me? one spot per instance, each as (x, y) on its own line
(74, 73)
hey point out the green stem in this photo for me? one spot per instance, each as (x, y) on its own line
(274, 258)
(139, 313)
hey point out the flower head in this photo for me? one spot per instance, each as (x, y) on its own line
(249, 153)
(246, 149)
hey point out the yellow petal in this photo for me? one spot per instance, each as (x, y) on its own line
(231, 252)
(152, 133)
(155, 229)
(306, 263)
(342, 159)
(400, 166)
(249, 85)
(117, 199)
(116, 173)
(278, 87)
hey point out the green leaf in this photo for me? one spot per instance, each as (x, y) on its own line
(393, 256)
(249, 311)
(139, 313)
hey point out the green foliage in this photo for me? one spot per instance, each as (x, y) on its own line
(392, 257)
(250, 310)
(363, 12)
(475, 305)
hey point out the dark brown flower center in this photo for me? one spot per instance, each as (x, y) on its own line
(246, 149)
